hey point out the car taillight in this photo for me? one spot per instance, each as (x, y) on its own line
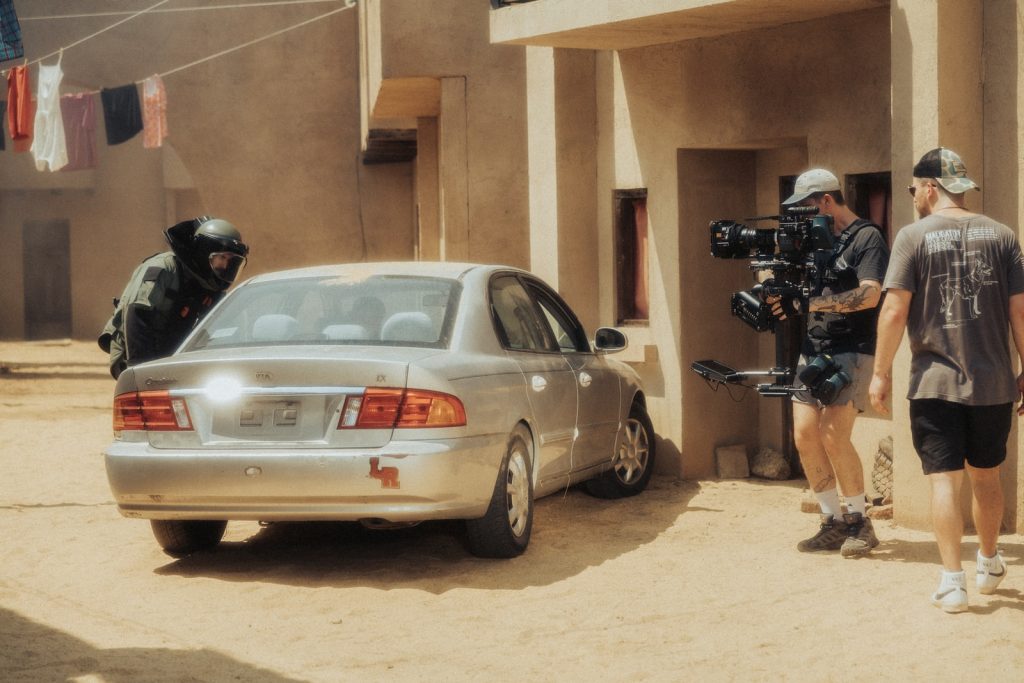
(396, 408)
(154, 411)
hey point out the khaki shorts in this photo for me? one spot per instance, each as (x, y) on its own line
(858, 366)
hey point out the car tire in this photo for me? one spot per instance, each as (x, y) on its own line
(181, 537)
(504, 531)
(632, 462)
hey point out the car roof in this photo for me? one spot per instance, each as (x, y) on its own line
(358, 271)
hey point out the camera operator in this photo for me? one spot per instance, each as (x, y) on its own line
(841, 313)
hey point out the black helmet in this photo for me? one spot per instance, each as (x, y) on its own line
(211, 249)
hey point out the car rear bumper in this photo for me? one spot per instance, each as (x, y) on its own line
(401, 482)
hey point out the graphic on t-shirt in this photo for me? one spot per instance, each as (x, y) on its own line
(960, 293)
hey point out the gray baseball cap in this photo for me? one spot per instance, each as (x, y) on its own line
(811, 182)
(947, 168)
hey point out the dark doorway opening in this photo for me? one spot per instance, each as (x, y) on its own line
(47, 279)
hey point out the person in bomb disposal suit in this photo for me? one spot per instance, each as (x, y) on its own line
(169, 292)
(841, 318)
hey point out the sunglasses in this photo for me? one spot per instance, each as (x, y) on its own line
(912, 189)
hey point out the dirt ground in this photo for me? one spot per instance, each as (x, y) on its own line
(689, 581)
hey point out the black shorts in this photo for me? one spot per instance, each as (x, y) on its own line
(946, 434)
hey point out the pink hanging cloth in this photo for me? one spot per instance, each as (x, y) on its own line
(154, 112)
(79, 112)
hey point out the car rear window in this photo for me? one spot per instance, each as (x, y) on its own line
(378, 310)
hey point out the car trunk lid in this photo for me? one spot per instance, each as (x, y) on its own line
(276, 397)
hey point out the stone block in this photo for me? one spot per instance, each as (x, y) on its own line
(731, 462)
(768, 463)
(809, 503)
(880, 512)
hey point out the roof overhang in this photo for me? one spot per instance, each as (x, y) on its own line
(625, 24)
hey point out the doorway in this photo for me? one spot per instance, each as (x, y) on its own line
(47, 279)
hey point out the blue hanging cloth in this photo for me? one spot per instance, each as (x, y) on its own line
(10, 32)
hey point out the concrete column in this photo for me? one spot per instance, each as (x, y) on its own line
(937, 67)
(541, 149)
(428, 191)
(454, 171)
(1003, 174)
(577, 203)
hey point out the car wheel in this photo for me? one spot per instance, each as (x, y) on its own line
(504, 531)
(181, 537)
(633, 461)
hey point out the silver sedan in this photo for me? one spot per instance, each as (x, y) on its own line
(385, 393)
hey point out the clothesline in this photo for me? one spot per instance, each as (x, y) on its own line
(348, 4)
(169, 10)
(90, 37)
(123, 119)
(241, 46)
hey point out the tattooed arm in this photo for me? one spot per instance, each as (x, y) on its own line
(864, 297)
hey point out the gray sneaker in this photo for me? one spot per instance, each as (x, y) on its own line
(830, 536)
(860, 535)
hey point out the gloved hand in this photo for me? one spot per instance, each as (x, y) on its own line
(786, 300)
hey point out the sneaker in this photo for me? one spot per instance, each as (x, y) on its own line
(990, 573)
(830, 536)
(860, 535)
(951, 597)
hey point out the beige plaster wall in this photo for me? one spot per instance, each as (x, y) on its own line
(956, 83)
(448, 40)
(269, 138)
(725, 93)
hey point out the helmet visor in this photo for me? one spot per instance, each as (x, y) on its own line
(226, 265)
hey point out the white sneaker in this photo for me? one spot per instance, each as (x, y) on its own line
(951, 595)
(991, 571)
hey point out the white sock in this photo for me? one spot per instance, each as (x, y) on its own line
(950, 579)
(989, 562)
(856, 504)
(829, 502)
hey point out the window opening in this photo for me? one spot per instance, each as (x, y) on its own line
(631, 257)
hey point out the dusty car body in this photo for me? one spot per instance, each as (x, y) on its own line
(386, 393)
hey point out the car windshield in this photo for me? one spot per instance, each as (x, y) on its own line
(377, 310)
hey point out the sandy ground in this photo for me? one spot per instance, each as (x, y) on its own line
(689, 581)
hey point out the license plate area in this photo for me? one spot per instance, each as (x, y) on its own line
(269, 420)
(270, 413)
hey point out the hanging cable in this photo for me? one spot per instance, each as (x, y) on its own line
(101, 31)
(171, 10)
(348, 4)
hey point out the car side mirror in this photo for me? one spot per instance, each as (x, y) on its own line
(609, 340)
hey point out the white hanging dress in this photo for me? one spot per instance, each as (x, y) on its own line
(49, 146)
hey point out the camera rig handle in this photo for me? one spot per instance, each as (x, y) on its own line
(719, 373)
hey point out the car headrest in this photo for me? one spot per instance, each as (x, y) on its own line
(409, 326)
(274, 327)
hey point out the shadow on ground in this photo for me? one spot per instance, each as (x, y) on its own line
(571, 532)
(30, 651)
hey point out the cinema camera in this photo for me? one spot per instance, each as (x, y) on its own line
(796, 254)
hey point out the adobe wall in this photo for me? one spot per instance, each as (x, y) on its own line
(267, 137)
(448, 40)
(821, 99)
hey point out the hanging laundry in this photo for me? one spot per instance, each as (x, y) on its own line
(20, 110)
(10, 32)
(122, 113)
(3, 116)
(154, 112)
(79, 112)
(49, 147)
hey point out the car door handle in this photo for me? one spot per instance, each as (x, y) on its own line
(539, 383)
(585, 379)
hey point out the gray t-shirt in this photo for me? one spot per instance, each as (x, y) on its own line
(962, 272)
